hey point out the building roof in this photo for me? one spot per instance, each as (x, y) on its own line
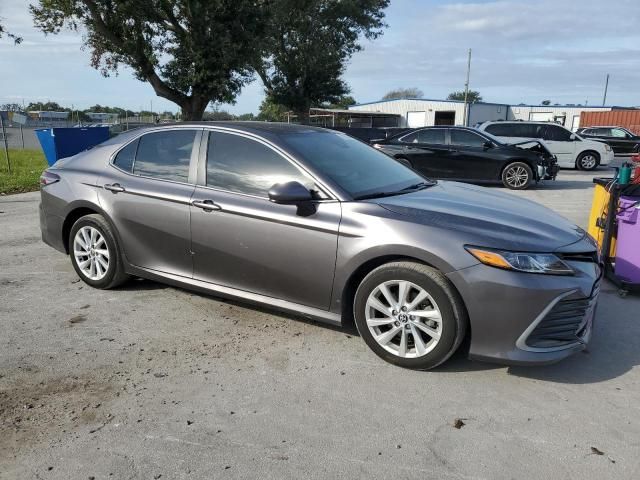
(496, 104)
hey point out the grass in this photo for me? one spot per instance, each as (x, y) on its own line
(26, 167)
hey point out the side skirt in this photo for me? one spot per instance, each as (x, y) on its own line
(235, 294)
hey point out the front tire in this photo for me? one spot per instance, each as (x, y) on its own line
(517, 176)
(588, 161)
(410, 315)
(94, 253)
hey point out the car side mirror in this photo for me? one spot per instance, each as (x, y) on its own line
(573, 137)
(289, 193)
(487, 145)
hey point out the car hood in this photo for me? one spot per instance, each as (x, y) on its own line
(486, 217)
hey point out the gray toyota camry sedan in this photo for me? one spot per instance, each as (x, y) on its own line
(314, 222)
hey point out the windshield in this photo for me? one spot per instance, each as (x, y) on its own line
(357, 168)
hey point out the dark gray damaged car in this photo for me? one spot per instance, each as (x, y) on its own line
(314, 222)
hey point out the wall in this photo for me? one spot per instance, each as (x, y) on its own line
(403, 107)
(623, 118)
(483, 112)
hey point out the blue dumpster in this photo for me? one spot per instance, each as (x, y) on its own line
(60, 143)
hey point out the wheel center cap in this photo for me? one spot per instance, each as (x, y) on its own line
(403, 317)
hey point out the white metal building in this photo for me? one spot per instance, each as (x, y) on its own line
(426, 112)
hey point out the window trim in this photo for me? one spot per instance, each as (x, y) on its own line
(201, 175)
(195, 153)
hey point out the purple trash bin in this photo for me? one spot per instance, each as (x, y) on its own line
(628, 242)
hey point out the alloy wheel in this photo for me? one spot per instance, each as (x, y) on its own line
(91, 253)
(588, 162)
(403, 318)
(517, 176)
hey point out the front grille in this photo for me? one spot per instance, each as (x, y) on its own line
(564, 324)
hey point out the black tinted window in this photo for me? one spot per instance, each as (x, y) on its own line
(501, 129)
(353, 165)
(243, 165)
(466, 138)
(556, 133)
(124, 159)
(165, 155)
(432, 135)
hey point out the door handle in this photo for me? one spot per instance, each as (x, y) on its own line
(115, 187)
(206, 205)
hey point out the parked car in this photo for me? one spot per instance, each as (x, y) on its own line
(467, 155)
(621, 140)
(571, 150)
(315, 222)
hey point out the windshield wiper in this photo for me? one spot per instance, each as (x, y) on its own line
(417, 186)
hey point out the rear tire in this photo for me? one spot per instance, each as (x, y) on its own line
(517, 176)
(588, 161)
(428, 329)
(94, 253)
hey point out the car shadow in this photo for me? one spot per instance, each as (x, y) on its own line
(614, 348)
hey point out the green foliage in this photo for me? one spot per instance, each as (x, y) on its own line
(26, 167)
(308, 45)
(545, 102)
(399, 93)
(192, 52)
(270, 111)
(3, 31)
(344, 102)
(473, 96)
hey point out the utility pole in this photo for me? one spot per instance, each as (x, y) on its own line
(606, 87)
(465, 121)
(6, 144)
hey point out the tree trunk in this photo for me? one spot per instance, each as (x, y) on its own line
(193, 108)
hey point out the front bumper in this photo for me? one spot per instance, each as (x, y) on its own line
(512, 315)
(547, 172)
(607, 158)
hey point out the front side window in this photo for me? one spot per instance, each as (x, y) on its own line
(243, 165)
(618, 132)
(466, 139)
(411, 138)
(165, 155)
(557, 134)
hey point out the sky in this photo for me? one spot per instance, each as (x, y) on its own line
(523, 51)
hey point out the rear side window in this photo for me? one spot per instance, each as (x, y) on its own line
(242, 165)
(501, 129)
(466, 139)
(165, 155)
(432, 135)
(557, 134)
(124, 158)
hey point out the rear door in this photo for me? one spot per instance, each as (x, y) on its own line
(147, 192)
(427, 151)
(246, 242)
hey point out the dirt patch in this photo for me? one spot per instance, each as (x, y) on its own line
(34, 412)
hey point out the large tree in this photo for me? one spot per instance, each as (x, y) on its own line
(399, 93)
(308, 45)
(3, 31)
(192, 52)
(473, 96)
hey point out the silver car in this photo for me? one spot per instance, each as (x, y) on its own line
(314, 222)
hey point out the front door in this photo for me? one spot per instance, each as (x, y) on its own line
(146, 192)
(558, 140)
(242, 240)
(469, 158)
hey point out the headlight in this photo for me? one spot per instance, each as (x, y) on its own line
(521, 261)
(607, 147)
